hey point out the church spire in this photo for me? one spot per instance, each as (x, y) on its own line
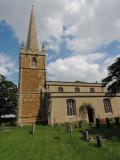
(32, 43)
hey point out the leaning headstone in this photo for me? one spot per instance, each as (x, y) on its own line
(85, 135)
(98, 141)
(33, 128)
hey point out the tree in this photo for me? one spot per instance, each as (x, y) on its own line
(113, 78)
(85, 106)
(8, 96)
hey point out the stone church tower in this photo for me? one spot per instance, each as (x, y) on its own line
(32, 78)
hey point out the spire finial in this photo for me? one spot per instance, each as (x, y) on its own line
(22, 45)
(32, 4)
(43, 46)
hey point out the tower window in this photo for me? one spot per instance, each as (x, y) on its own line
(34, 63)
(71, 107)
(77, 90)
(60, 89)
(107, 105)
(92, 90)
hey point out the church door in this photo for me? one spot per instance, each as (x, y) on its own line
(90, 114)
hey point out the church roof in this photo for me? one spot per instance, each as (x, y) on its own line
(76, 83)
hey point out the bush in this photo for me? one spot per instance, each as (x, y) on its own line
(117, 121)
(108, 122)
(8, 121)
(97, 122)
(83, 124)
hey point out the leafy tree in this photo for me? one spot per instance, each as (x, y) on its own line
(85, 106)
(113, 78)
(8, 96)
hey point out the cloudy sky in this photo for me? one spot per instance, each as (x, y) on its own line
(82, 37)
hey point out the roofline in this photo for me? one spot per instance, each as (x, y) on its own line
(74, 82)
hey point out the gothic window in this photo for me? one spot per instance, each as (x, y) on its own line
(71, 107)
(107, 105)
(60, 89)
(92, 90)
(34, 63)
(77, 90)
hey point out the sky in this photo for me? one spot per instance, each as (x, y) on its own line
(81, 37)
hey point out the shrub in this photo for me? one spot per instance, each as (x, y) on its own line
(117, 121)
(97, 122)
(108, 122)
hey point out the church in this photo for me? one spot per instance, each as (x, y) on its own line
(57, 102)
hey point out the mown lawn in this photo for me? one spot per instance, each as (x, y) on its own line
(19, 144)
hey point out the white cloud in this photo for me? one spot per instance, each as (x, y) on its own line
(83, 68)
(7, 65)
(53, 44)
(78, 45)
(73, 6)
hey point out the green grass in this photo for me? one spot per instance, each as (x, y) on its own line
(20, 144)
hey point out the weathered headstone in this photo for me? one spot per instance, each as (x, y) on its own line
(98, 141)
(85, 135)
(33, 128)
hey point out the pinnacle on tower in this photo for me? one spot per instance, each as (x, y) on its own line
(32, 43)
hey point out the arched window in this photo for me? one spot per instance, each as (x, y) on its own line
(60, 89)
(77, 90)
(107, 105)
(34, 63)
(92, 90)
(71, 107)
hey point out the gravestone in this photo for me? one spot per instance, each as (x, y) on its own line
(69, 128)
(33, 128)
(85, 135)
(98, 141)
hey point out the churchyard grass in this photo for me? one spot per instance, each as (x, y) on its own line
(19, 144)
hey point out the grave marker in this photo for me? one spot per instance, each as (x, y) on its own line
(98, 141)
(85, 135)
